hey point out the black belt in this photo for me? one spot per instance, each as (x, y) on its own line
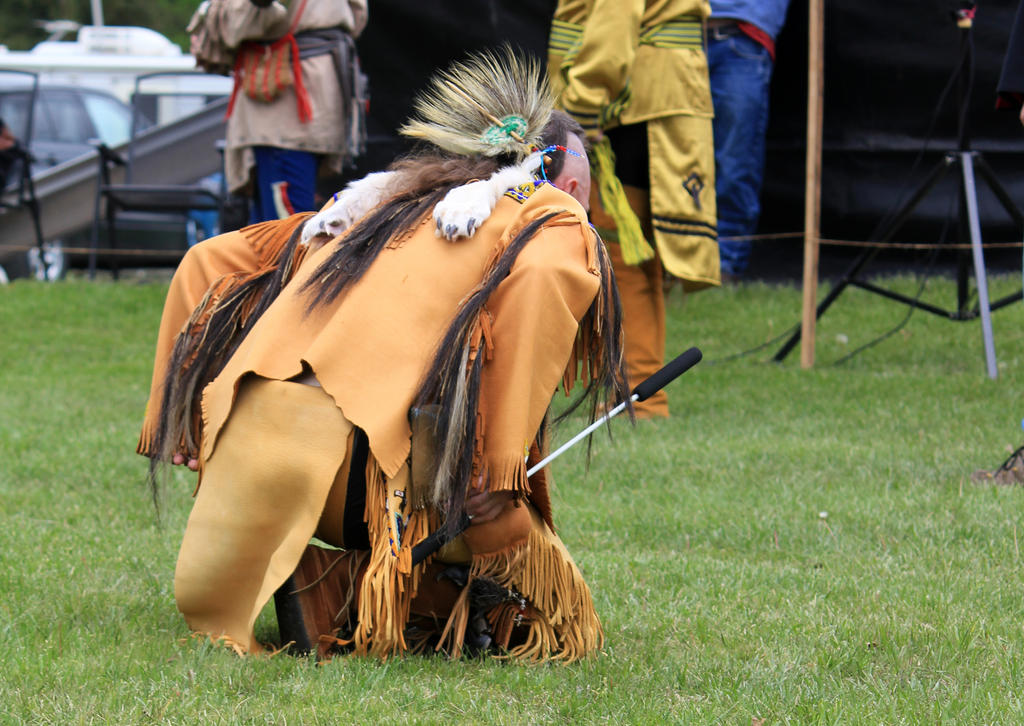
(723, 31)
(318, 42)
(342, 49)
(351, 80)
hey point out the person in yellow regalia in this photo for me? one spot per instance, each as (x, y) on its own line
(634, 74)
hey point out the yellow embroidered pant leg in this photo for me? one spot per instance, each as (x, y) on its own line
(682, 202)
(643, 322)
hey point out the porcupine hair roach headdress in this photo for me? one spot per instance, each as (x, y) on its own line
(493, 104)
(477, 114)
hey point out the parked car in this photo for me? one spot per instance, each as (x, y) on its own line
(67, 121)
(86, 86)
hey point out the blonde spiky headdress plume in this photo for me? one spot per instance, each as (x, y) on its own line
(494, 103)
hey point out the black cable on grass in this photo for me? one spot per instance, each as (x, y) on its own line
(756, 348)
(932, 257)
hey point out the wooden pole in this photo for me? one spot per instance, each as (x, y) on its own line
(812, 187)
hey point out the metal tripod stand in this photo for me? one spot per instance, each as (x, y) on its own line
(969, 162)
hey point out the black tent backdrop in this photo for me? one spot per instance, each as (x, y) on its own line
(887, 123)
(886, 65)
(406, 40)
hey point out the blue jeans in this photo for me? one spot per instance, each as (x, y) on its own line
(741, 71)
(285, 183)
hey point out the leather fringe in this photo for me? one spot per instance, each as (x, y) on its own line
(563, 626)
(390, 583)
(147, 437)
(453, 637)
(509, 474)
(268, 239)
(559, 622)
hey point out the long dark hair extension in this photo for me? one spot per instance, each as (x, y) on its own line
(201, 351)
(455, 389)
(606, 383)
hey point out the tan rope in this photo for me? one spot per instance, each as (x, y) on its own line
(774, 236)
(880, 245)
(99, 252)
(919, 245)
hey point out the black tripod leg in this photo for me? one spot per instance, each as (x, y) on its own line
(883, 234)
(827, 301)
(985, 172)
(1007, 300)
(963, 257)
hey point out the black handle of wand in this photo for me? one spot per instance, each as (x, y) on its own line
(436, 540)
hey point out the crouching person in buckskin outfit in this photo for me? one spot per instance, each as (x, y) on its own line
(391, 384)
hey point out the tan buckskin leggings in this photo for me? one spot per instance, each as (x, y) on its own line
(263, 493)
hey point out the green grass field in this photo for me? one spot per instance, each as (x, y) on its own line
(791, 547)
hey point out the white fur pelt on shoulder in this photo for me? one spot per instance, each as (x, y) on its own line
(459, 214)
(350, 205)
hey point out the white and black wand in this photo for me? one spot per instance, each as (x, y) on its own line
(644, 390)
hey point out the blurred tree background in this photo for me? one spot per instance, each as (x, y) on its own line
(21, 20)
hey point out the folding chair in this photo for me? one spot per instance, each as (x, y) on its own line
(16, 186)
(128, 196)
